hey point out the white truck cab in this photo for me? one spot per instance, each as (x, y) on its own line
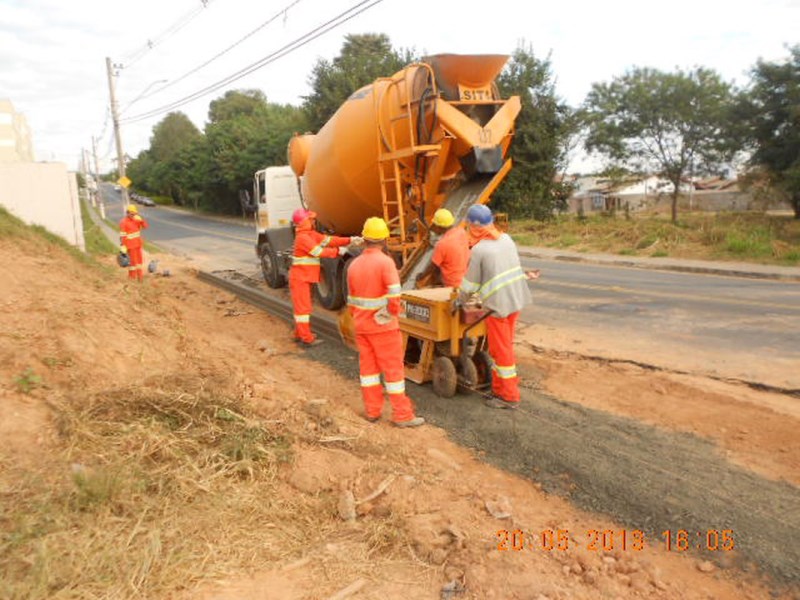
(276, 193)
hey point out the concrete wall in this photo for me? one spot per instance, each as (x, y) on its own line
(711, 201)
(43, 194)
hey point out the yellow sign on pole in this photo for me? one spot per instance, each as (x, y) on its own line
(124, 182)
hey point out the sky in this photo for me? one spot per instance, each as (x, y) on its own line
(53, 52)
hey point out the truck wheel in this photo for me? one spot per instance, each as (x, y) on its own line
(329, 289)
(269, 267)
(444, 377)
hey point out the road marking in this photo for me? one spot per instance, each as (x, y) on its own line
(716, 299)
(210, 232)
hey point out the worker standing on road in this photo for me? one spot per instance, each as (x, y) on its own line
(496, 276)
(131, 242)
(451, 253)
(309, 247)
(373, 299)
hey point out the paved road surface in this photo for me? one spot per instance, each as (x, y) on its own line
(729, 326)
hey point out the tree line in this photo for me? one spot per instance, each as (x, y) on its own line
(643, 121)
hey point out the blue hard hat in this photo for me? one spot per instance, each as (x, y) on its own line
(479, 214)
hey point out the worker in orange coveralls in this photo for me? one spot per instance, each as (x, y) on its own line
(450, 254)
(309, 247)
(373, 299)
(131, 242)
(496, 276)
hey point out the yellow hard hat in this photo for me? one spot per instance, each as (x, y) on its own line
(375, 228)
(133, 209)
(443, 218)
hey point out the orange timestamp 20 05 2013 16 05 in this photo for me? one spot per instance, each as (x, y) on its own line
(608, 540)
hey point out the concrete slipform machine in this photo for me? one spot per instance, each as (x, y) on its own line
(436, 134)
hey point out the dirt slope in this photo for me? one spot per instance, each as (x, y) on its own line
(178, 431)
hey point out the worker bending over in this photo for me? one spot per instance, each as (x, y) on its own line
(450, 255)
(309, 247)
(131, 242)
(373, 285)
(495, 275)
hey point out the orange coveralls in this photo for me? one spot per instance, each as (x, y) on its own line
(451, 255)
(130, 236)
(373, 283)
(309, 246)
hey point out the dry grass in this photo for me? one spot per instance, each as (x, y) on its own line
(754, 237)
(155, 489)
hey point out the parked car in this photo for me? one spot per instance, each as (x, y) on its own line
(145, 201)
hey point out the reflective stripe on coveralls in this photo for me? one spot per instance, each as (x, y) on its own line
(374, 283)
(500, 332)
(495, 284)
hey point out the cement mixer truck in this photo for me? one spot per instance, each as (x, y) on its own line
(435, 134)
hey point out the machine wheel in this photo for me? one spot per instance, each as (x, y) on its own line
(468, 374)
(269, 267)
(329, 289)
(444, 376)
(483, 367)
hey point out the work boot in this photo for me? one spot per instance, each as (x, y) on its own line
(496, 402)
(311, 344)
(372, 419)
(415, 422)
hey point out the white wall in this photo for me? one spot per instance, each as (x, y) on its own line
(43, 194)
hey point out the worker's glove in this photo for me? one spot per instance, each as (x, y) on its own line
(123, 249)
(382, 316)
(356, 241)
(137, 218)
(342, 250)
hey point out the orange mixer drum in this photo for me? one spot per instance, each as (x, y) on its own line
(339, 165)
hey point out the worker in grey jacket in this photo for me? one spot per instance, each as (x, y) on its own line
(495, 275)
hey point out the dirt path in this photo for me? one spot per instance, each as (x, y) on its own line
(644, 477)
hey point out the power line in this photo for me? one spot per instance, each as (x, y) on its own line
(283, 12)
(182, 22)
(270, 58)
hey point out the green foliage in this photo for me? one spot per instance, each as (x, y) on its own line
(362, 59)
(543, 130)
(770, 113)
(95, 241)
(27, 381)
(206, 170)
(663, 123)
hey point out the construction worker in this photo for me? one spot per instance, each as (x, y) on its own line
(373, 299)
(495, 275)
(309, 247)
(131, 242)
(450, 255)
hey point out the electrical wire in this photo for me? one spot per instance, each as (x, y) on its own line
(137, 55)
(320, 30)
(281, 12)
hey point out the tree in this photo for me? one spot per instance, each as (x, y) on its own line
(543, 130)
(659, 122)
(173, 133)
(362, 59)
(770, 111)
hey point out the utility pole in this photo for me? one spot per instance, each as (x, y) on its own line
(97, 180)
(115, 118)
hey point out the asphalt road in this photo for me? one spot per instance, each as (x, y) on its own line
(727, 326)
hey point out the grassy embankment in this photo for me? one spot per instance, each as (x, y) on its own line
(751, 237)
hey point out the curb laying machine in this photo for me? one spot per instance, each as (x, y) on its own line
(434, 135)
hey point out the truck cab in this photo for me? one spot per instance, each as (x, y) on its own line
(275, 190)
